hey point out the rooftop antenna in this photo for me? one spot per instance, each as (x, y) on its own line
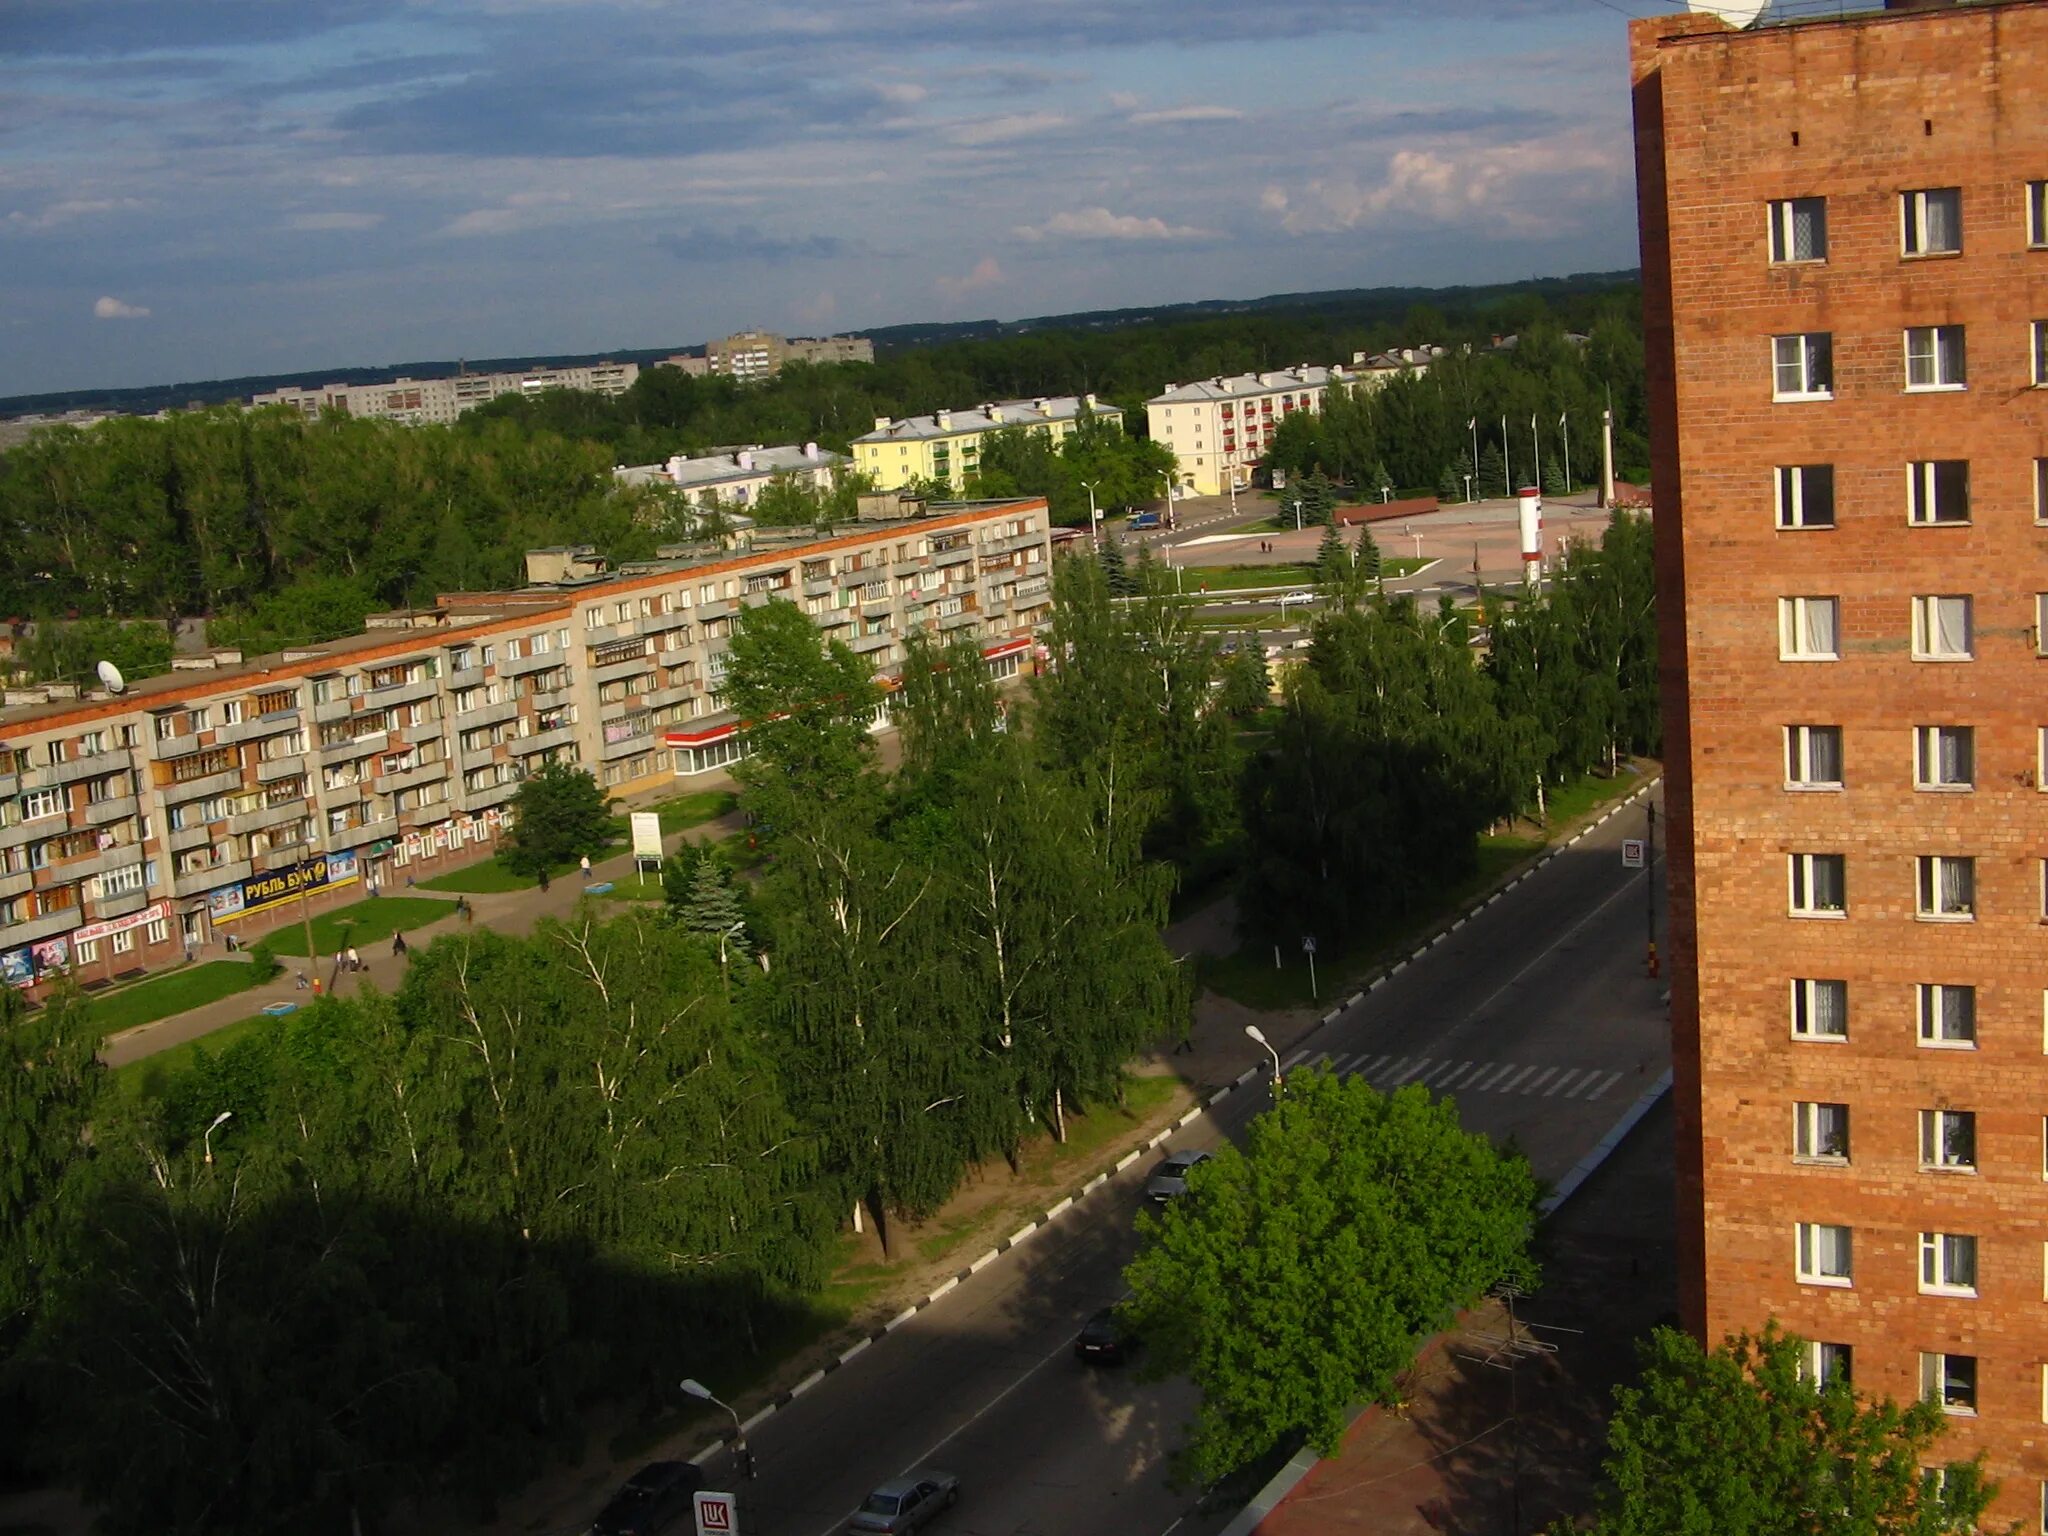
(1737, 13)
(111, 676)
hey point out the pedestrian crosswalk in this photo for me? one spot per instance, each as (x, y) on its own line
(1448, 1075)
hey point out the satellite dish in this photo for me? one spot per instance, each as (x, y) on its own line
(1737, 13)
(111, 676)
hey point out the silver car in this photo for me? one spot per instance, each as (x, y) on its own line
(1169, 1180)
(906, 1503)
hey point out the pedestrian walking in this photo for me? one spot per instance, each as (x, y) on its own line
(355, 961)
(398, 944)
(585, 866)
(543, 881)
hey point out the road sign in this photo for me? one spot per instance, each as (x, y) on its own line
(1308, 944)
(716, 1515)
(1634, 853)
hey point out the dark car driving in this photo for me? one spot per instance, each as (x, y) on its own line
(651, 1500)
(1105, 1339)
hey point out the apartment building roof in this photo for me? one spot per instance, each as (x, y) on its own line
(986, 418)
(713, 469)
(1302, 376)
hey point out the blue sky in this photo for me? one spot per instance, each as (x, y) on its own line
(198, 188)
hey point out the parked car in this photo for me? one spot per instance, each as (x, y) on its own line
(651, 1500)
(1106, 1339)
(1169, 1180)
(906, 1503)
(1297, 597)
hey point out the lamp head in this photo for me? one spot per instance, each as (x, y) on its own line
(695, 1388)
(1256, 1033)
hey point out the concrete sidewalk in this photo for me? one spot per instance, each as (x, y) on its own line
(507, 911)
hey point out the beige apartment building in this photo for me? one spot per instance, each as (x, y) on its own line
(1218, 429)
(213, 799)
(737, 478)
(751, 356)
(436, 402)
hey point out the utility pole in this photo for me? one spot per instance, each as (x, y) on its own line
(1650, 880)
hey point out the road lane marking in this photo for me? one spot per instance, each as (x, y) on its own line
(1421, 1066)
(1436, 1078)
(1377, 1066)
(1574, 1072)
(1510, 1086)
(1293, 1061)
(1548, 1074)
(1550, 949)
(1612, 1079)
(1464, 1074)
(1591, 1078)
(1491, 1082)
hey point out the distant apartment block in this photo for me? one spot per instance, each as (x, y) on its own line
(436, 402)
(737, 478)
(751, 356)
(1218, 429)
(207, 800)
(946, 445)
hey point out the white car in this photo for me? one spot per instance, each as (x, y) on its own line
(1298, 597)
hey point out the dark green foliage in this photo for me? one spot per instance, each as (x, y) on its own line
(1116, 568)
(263, 959)
(1247, 680)
(1315, 497)
(1298, 1278)
(1333, 558)
(1449, 488)
(714, 909)
(1122, 470)
(1553, 478)
(71, 652)
(1493, 473)
(1742, 1442)
(560, 815)
(1365, 553)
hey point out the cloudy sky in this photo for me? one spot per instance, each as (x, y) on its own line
(198, 188)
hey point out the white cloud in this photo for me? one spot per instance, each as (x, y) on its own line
(986, 274)
(1101, 224)
(51, 215)
(111, 308)
(1189, 114)
(1529, 188)
(1004, 130)
(334, 221)
(903, 93)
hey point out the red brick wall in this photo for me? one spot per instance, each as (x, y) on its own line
(1879, 104)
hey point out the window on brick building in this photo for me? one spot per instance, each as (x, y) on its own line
(1821, 1363)
(2037, 213)
(1944, 757)
(1942, 627)
(1937, 491)
(1806, 495)
(1799, 229)
(1818, 884)
(1948, 1140)
(1937, 357)
(1948, 1264)
(1950, 1380)
(1825, 1254)
(1820, 1132)
(1813, 757)
(1809, 628)
(1947, 886)
(1820, 1009)
(1947, 1012)
(1931, 222)
(1803, 366)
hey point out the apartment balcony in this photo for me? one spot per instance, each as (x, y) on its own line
(344, 794)
(198, 835)
(632, 666)
(10, 785)
(199, 788)
(104, 813)
(56, 775)
(523, 665)
(948, 557)
(863, 644)
(486, 714)
(626, 746)
(818, 588)
(425, 773)
(425, 815)
(255, 730)
(270, 770)
(15, 885)
(763, 598)
(477, 754)
(723, 609)
(364, 833)
(200, 881)
(269, 816)
(541, 741)
(119, 906)
(283, 856)
(426, 730)
(48, 926)
(960, 620)
(405, 693)
(165, 748)
(483, 799)
(909, 565)
(465, 677)
(333, 709)
(85, 865)
(551, 698)
(860, 576)
(662, 623)
(675, 693)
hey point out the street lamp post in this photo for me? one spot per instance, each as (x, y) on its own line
(742, 1457)
(1468, 487)
(1094, 516)
(219, 1120)
(1297, 514)
(1259, 1035)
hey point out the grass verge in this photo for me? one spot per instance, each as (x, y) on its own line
(635, 888)
(487, 877)
(362, 922)
(148, 1076)
(161, 996)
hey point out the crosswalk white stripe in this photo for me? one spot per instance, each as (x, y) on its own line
(1568, 1076)
(1421, 1066)
(1293, 1061)
(1612, 1079)
(1548, 1074)
(1465, 1070)
(1382, 1076)
(1510, 1085)
(1589, 1080)
(1341, 1066)
(1376, 1066)
(1494, 1077)
(1321, 1060)
(1485, 1070)
(1443, 1073)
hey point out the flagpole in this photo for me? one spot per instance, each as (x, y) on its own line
(1472, 426)
(1564, 425)
(1536, 448)
(1507, 472)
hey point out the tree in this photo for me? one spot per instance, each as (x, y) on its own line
(714, 908)
(1553, 477)
(806, 704)
(1365, 554)
(1318, 498)
(49, 1085)
(1247, 680)
(1744, 1442)
(1448, 488)
(1333, 560)
(68, 652)
(559, 816)
(1493, 471)
(1298, 1277)
(1116, 567)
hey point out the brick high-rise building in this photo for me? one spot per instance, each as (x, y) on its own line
(1845, 266)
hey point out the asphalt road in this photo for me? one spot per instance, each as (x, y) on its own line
(1536, 1015)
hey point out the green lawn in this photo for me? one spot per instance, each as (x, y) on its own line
(1250, 977)
(161, 996)
(365, 922)
(636, 888)
(694, 809)
(1228, 578)
(488, 877)
(146, 1077)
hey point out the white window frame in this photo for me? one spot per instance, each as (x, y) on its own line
(1783, 221)
(1931, 904)
(1807, 1009)
(1934, 626)
(1794, 486)
(1929, 758)
(1797, 359)
(1939, 1128)
(1814, 1138)
(1818, 1360)
(1799, 873)
(1940, 1264)
(1796, 616)
(1940, 354)
(1931, 1000)
(1804, 749)
(1807, 1257)
(1913, 207)
(41, 804)
(1938, 493)
(1934, 1382)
